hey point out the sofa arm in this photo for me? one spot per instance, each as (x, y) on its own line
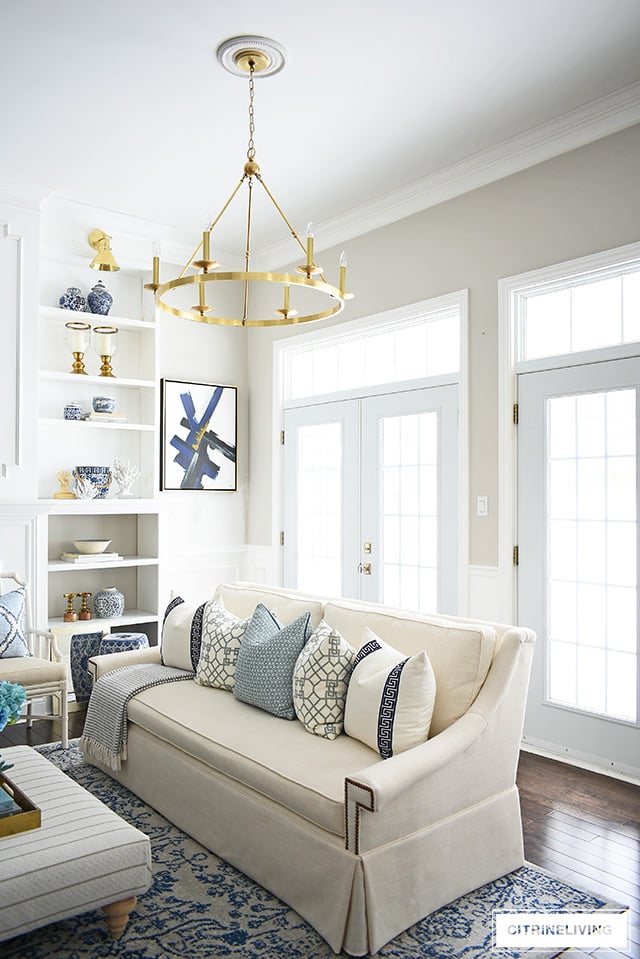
(99, 665)
(376, 787)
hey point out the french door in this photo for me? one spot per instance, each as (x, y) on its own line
(370, 498)
(578, 556)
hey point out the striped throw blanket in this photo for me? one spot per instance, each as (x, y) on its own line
(105, 729)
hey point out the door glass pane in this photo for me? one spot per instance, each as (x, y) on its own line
(409, 522)
(319, 487)
(592, 546)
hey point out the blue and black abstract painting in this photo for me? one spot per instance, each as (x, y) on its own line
(199, 436)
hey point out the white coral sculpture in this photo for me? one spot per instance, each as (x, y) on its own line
(125, 475)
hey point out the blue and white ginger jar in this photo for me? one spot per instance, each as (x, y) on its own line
(109, 602)
(72, 299)
(99, 299)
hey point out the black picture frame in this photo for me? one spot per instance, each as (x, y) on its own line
(198, 441)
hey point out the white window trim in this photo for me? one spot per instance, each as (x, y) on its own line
(511, 291)
(458, 300)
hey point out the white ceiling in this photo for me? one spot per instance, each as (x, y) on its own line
(122, 105)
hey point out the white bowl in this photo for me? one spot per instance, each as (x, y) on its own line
(91, 545)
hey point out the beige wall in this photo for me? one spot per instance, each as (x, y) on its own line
(579, 203)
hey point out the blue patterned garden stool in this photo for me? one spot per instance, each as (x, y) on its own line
(82, 647)
(122, 642)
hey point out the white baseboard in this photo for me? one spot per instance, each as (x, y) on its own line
(595, 764)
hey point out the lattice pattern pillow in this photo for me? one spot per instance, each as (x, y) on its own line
(12, 638)
(222, 635)
(320, 680)
(266, 660)
(181, 634)
(390, 697)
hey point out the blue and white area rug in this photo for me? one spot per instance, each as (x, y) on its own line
(200, 907)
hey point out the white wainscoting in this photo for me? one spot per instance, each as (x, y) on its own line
(484, 594)
(194, 576)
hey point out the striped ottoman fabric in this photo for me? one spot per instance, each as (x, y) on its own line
(83, 856)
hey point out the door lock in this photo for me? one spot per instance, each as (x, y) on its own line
(366, 547)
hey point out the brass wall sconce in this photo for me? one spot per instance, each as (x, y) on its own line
(105, 344)
(104, 258)
(78, 336)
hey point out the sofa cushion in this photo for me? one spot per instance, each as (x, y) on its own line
(266, 660)
(390, 697)
(12, 638)
(460, 653)
(181, 634)
(222, 634)
(280, 761)
(320, 680)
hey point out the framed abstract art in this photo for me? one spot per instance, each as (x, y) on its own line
(199, 436)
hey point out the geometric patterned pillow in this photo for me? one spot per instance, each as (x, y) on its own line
(320, 680)
(390, 698)
(266, 660)
(181, 634)
(222, 634)
(12, 639)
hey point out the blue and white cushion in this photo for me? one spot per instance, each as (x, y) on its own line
(181, 634)
(222, 635)
(390, 698)
(12, 638)
(266, 660)
(320, 680)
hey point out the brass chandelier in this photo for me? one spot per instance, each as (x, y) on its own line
(252, 56)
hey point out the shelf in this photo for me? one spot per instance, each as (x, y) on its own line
(95, 506)
(129, 618)
(87, 379)
(94, 424)
(60, 566)
(96, 319)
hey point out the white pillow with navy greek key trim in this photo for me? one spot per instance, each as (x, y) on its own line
(390, 697)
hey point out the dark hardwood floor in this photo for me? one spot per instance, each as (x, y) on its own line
(578, 825)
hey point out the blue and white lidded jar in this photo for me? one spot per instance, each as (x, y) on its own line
(73, 411)
(108, 602)
(99, 299)
(72, 299)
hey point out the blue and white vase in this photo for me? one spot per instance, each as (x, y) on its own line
(103, 404)
(99, 299)
(72, 299)
(109, 602)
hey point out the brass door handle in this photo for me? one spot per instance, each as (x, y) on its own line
(364, 568)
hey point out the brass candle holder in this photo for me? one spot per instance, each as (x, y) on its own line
(70, 615)
(77, 336)
(85, 612)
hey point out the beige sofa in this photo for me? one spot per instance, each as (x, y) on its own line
(361, 847)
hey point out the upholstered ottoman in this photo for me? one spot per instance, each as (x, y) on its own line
(83, 856)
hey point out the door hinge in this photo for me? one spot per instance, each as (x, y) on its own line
(281, 437)
(516, 556)
(516, 413)
(282, 537)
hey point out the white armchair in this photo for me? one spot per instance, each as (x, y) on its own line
(31, 656)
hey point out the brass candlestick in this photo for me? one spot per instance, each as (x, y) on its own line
(70, 615)
(78, 336)
(85, 612)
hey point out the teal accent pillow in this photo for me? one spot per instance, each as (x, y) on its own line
(266, 660)
(12, 639)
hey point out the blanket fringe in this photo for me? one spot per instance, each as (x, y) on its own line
(92, 748)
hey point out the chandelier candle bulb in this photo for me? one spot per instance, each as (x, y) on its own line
(156, 270)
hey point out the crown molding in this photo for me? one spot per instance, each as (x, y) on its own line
(595, 120)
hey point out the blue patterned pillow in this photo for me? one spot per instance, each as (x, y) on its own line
(12, 640)
(266, 660)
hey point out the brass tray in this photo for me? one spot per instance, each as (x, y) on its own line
(29, 816)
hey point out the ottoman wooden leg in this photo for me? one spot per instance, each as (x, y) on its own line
(117, 915)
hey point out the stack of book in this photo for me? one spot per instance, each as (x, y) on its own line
(105, 417)
(90, 558)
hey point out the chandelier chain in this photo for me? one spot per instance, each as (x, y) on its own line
(251, 152)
